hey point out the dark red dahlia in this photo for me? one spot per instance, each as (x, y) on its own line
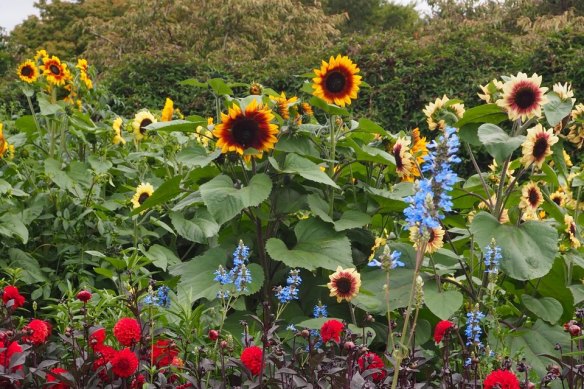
(103, 355)
(441, 328)
(501, 379)
(12, 298)
(97, 337)
(36, 332)
(57, 381)
(6, 355)
(331, 330)
(84, 296)
(251, 357)
(213, 335)
(124, 363)
(163, 352)
(127, 331)
(138, 382)
(369, 361)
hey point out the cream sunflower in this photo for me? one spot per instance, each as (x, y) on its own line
(404, 161)
(117, 127)
(572, 232)
(559, 198)
(443, 112)
(523, 97)
(28, 72)
(143, 192)
(576, 133)
(140, 122)
(531, 199)
(344, 284)
(336, 81)
(491, 91)
(537, 145)
(564, 91)
(167, 111)
(240, 130)
(433, 237)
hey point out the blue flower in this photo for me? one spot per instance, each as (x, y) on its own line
(291, 327)
(239, 275)
(320, 310)
(473, 330)
(493, 257)
(290, 292)
(387, 260)
(162, 296)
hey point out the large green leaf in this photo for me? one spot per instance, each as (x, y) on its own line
(318, 245)
(474, 117)
(366, 125)
(556, 109)
(305, 168)
(372, 298)
(443, 304)
(11, 225)
(528, 250)
(497, 142)
(331, 109)
(224, 201)
(161, 256)
(548, 309)
(349, 219)
(46, 107)
(368, 153)
(175, 125)
(199, 229)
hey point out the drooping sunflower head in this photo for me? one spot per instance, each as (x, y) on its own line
(491, 91)
(336, 81)
(572, 232)
(523, 96)
(55, 72)
(143, 192)
(283, 105)
(140, 122)
(117, 126)
(576, 134)
(240, 130)
(443, 112)
(404, 162)
(28, 72)
(433, 237)
(537, 145)
(167, 111)
(40, 55)
(344, 284)
(84, 72)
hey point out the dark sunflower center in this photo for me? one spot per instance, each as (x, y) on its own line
(533, 197)
(573, 229)
(143, 124)
(557, 200)
(343, 285)
(525, 97)
(335, 82)
(399, 163)
(27, 71)
(245, 131)
(432, 236)
(143, 197)
(55, 69)
(539, 148)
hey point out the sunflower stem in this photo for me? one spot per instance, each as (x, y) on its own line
(332, 162)
(478, 170)
(352, 310)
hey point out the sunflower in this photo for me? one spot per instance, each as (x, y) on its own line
(141, 121)
(443, 112)
(40, 55)
(576, 134)
(167, 111)
(404, 161)
(564, 92)
(255, 89)
(28, 72)
(559, 197)
(567, 159)
(283, 104)
(491, 91)
(531, 199)
(117, 126)
(336, 82)
(84, 72)
(571, 230)
(419, 147)
(306, 109)
(434, 238)
(143, 192)
(241, 130)
(3, 142)
(538, 145)
(344, 284)
(56, 72)
(523, 96)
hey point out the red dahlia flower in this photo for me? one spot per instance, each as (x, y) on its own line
(163, 352)
(97, 337)
(138, 382)
(84, 296)
(103, 355)
(372, 361)
(36, 332)
(251, 358)
(11, 293)
(501, 379)
(331, 330)
(124, 363)
(7, 353)
(127, 331)
(441, 328)
(51, 378)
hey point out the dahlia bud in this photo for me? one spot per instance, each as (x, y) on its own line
(213, 335)
(349, 346)
(84, 296)
(574, 330)
(305, 333)
(555, 370)
(224, 344)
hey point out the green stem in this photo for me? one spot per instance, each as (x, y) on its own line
(332, 162)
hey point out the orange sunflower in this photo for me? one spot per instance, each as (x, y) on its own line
(336, 81)
(283, 105)
(56, 72)
(523, 96)
(28, 72)
(240, 130)
(537, 145)
(344, 284)
(531, 199)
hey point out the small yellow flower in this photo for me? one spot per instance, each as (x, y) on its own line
(283, 105)
(117, 126)
(143, 192)
(167, 111)
(84, 72)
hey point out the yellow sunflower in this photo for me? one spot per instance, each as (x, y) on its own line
(537, 145)
(559, 197)
(28, 72)
(241, 130)
(419, 147)
(344, 284)
(434, 238)
(40, 55)
(167, 111)
(306, 109)
(571, 230)
(443, 112)
(531, 199)
(143, 192)
(283, 105)
(56, 72)
(576, 134)
(117, 126)
(255, 89)
(404, 161)
(140, 122)
(337, 82)
(84, 72)
(523, 96)
(3, 142)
